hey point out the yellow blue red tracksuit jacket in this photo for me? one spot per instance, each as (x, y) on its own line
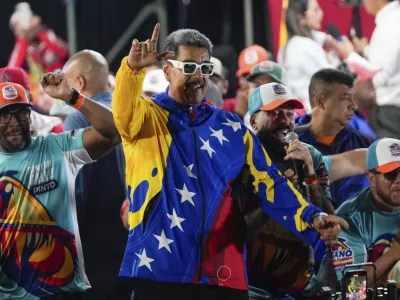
(180, 163)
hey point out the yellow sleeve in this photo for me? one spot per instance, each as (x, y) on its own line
(129, 109)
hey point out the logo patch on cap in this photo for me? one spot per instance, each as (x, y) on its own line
(9, 92)
(394, 150)
(265, 66)
(279, 90)
(250, 57)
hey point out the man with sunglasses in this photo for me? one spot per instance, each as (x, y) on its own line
(41, 255)
(374, 218)
(186, 234)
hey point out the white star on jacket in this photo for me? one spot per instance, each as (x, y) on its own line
(189, 171)
(219, 134)
(175, 220)
(235, 125)
(206, 147)
(144, 260)
(186, 195)
(163, 241)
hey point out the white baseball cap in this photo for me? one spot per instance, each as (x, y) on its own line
(383, 155)
(155, 82)
(218, 67)
(270, 96)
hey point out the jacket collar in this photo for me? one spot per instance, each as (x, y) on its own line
(340, 138)
(194, 115)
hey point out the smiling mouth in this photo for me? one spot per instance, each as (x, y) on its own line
(281, 133)
(194, 85)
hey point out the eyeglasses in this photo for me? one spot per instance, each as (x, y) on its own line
(391, 176)
(20, 115)
(189, 68)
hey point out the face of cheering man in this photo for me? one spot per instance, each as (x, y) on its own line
(188, 84)
(272, 114)
(15, 132)
(385, 178)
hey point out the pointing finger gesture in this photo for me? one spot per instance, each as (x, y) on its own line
(144, 54)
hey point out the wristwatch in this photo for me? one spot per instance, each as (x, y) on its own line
(74, 97)
(318, 214)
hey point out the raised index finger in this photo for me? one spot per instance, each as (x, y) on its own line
(156, 33)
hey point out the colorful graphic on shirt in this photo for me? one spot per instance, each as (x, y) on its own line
(35, 252)
(379, 247)
(342, 254)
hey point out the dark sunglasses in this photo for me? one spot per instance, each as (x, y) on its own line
(19, 114)
(391, 176)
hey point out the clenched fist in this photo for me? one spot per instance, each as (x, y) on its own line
(144, 54)
(56, 86)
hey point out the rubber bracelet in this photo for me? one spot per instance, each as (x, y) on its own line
(311, 181)
(124, 207)
(79, 102)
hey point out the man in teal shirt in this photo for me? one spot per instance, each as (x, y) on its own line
(374, 219)
(41, 255)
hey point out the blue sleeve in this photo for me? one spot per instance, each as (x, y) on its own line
(76, 120)
(279, 199)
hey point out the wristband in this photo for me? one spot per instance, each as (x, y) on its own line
(311, 180)
(77, 99)
(318, 214)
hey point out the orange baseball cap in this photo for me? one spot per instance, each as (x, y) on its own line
(12, 94)
(249, 58)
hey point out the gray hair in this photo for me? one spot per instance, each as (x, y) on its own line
(187, 37)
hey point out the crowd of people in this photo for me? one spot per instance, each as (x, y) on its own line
(151, 184)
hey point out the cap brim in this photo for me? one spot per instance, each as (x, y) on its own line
(15, 104)
(277, 103)
(244, 71)
(389, 167)
(251, 76)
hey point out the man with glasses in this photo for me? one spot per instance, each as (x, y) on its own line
(41, 254)
(374, 218)
(186, 235)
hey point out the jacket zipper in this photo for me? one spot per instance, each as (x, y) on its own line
(203, 221)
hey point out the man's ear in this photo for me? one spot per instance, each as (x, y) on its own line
(253, 122)
(372, 179)
(167, 70)
(80, 81)
(319, 100)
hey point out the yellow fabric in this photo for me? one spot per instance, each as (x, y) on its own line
(130, 112)
(283, 34)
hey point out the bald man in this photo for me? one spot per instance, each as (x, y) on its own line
(100, 187)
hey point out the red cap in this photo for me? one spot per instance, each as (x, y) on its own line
(249, 58)
(12, 94)
(15, 75)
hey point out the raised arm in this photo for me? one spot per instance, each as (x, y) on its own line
(348, 164)
(281, 201)
(129, 109)
(102, 136)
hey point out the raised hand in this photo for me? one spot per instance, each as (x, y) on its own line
(144, 54)
(56, 86)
